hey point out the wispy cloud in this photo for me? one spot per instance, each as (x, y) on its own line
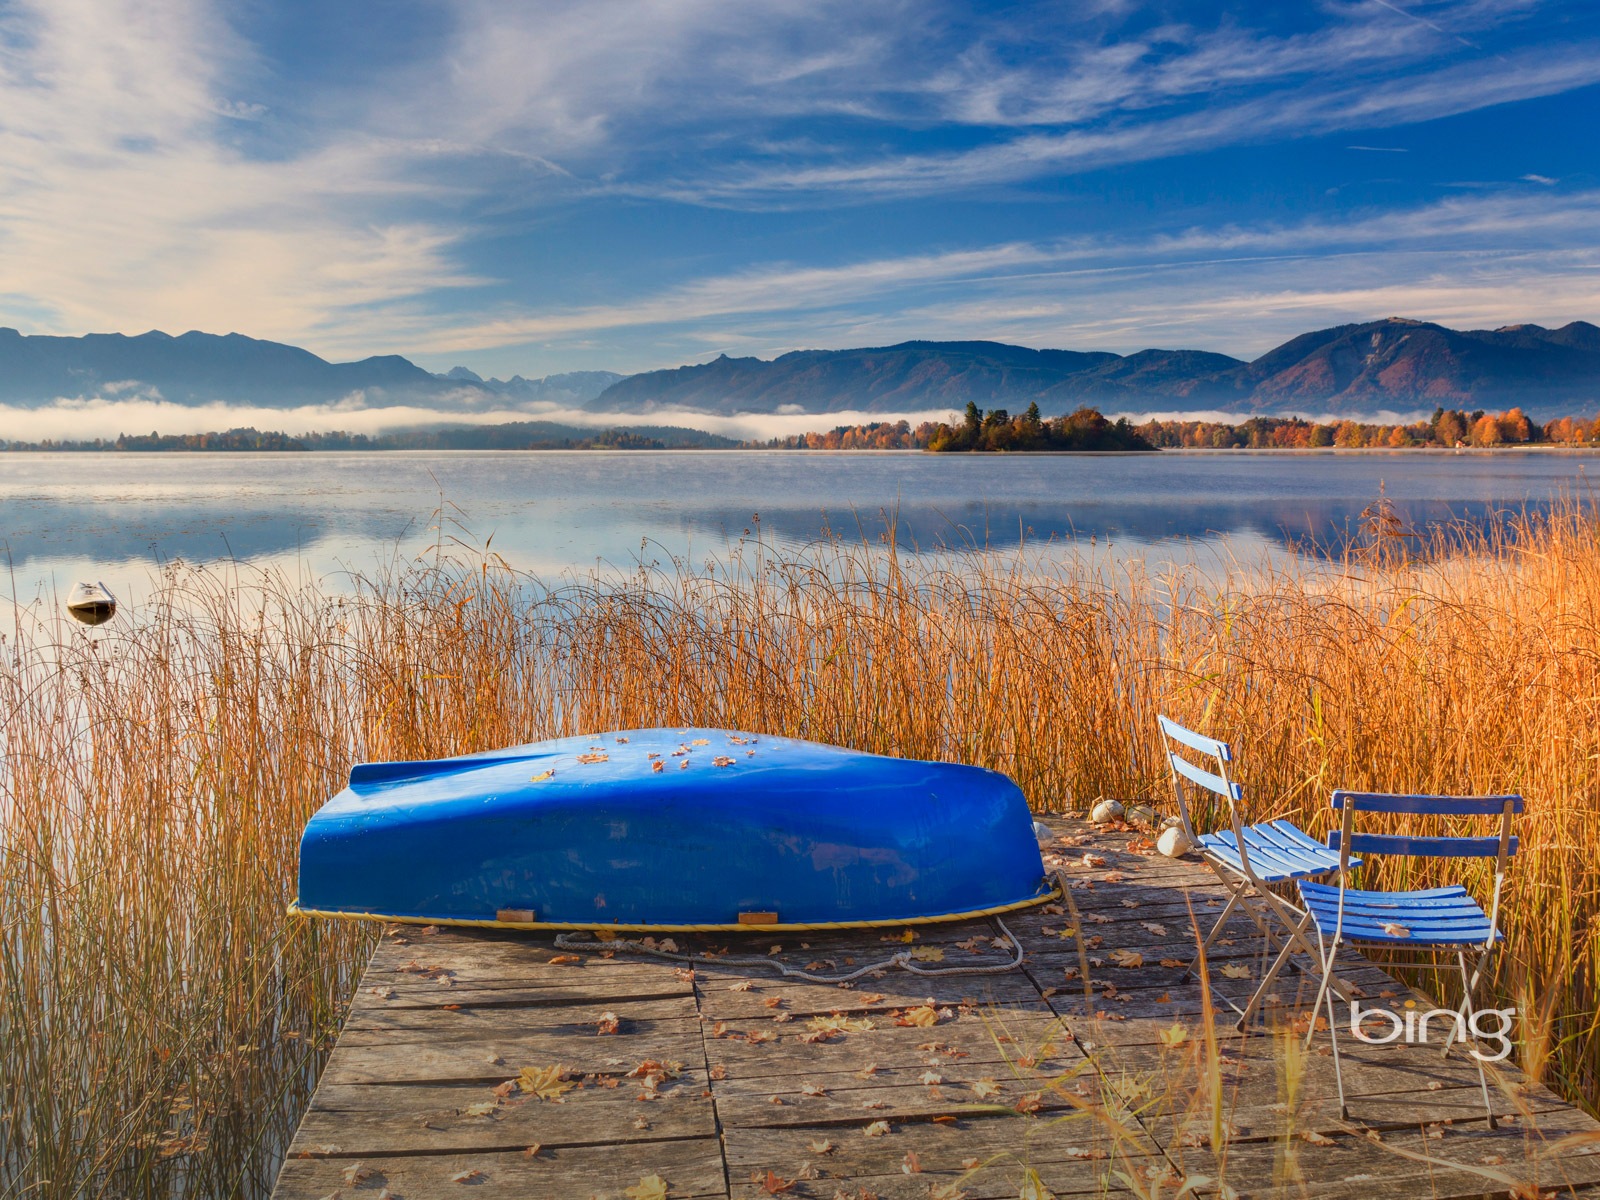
(124, 204)
(1304, 112)
(1486, 259)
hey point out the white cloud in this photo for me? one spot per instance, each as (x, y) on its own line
(125, 206)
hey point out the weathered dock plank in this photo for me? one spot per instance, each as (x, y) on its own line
(1080, 1074)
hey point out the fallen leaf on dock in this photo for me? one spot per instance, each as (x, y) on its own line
(649, 1187)
(1127, 958)
(543, 775)
(593, 758)
(470, 1175)
(877, 1129)
(1236, 971)
(544, 1082)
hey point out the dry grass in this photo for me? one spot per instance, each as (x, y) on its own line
(164, 1022)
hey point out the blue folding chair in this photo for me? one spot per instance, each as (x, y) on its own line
(1431, 921)
(1248, 859)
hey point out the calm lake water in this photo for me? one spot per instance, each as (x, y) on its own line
(114, 517)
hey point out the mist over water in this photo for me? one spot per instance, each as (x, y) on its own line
(119, 517)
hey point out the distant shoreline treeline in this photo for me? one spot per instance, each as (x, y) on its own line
(994, 431)
(517, 435)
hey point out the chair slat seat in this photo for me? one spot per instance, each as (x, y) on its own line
(1279, 852)
(1435, 917)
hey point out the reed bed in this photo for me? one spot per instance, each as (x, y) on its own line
(162, 1022)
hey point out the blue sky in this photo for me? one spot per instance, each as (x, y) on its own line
(542, 187)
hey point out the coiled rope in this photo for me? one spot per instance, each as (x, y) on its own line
(902, 959)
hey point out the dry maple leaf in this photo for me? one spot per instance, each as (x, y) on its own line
(483, 1108)
(927, 953)
(922, 1016)
(813, 1089)
(543, 775)
(1173, 962)
(1174, 1035)
(356, 1173)
(649, 1187)
(609, 1022)
(470, 1175)
(1236, 971)
(985, 1088)
(544, 1082)
(722, 760)
(1315, 1138)
(565, 960)
(599, 757)
(1154, 927)
(773, 1184)
(1395, 929)
(1127, 958)
(932, 1078)
(744, 985)
(910, 1164)
(658, 765)
(877, 1129)
(842, 1024)
(821, 1146)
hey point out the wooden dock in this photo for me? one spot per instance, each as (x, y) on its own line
(641, 1078)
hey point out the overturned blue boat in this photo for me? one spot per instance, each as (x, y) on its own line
(672, 829)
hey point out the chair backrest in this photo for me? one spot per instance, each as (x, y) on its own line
(1216, 782)
(1501, 845)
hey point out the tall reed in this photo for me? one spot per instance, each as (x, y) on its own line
(163, 1022)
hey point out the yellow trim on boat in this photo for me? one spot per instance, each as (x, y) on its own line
(1054, 892)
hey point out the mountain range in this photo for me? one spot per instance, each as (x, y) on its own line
(1356, 370)
(1394, 365)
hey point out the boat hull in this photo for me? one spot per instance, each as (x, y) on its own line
(672, 829)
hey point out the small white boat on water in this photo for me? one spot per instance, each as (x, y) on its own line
(91, 603)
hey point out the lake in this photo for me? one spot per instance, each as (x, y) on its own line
(114, 517)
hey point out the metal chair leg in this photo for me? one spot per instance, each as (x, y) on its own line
(1333, 1036)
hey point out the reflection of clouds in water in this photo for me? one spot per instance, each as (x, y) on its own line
(64, 517)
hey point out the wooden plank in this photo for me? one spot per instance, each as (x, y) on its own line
(488, 1045)
(1072, 1157)
(387, 1119)
(692, 1168)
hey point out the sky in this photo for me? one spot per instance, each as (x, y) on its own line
(627, 184)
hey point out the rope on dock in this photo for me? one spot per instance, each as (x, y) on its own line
(902, 959)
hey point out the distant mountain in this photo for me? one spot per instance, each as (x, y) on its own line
(1355, 370)
(198, 368)
(572, 388)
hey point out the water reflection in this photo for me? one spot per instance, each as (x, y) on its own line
(65, 517)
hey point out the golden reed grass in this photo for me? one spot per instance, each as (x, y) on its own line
(162, 1022)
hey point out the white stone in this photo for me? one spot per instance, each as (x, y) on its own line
(1173, 842)
(1106, 810)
